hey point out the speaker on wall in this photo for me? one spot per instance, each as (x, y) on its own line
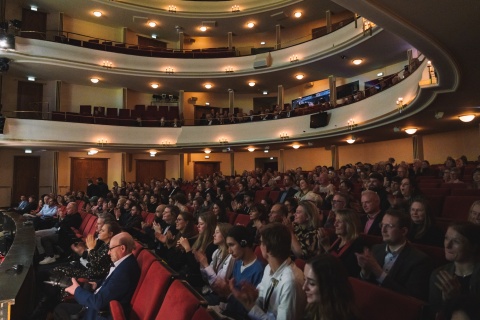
(318, 120)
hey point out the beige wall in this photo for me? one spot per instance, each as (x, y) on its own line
(172, 165)
(189, 161)
(92, 30)
(437, 147)
(74, 95)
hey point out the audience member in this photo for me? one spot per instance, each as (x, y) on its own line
(373, 214)
(474, 213)
(423, 229)
(304, 230)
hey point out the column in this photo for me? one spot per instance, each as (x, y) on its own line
(181, 39)
(124, 98)
(232, 164)
(332, 83)
(181, 164)
(55, 172)
(328, 19)
(124, 34)
(280, 96)
(230, 41)
(334, 154)
(60, 23)
(181, 98)
(231, 97)
(278, 37)
(417, 142)
(281, 163)
(58, 95)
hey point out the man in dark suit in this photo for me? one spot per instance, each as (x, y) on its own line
(395, 264)
(289, 189)
(119, 285)
(373, 214)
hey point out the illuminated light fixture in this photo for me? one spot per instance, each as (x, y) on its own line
(172, 9)
(271, 158)
(294, 58)
(208, 86)
(351, 140)
(97, 14)
(154, 85)
(94, 80)
(30, 78)
(203, 28)
(351, 124)
(152, 24)
(207, 151)
(169, 70)
(102, 142)
(229, 69)
(207, 103)
(223, 140)
(207, 157)
(411, 130)
(251, 149)
(235, 8)
(299, 76)
(267, 148)
(357, 61)
(296, 146)
(466, 117)
(250, 25)
(153, 153)
(380, 74)
(252, 83)
(284, 136)
(265, 92)
(262, 43)
(400, 105)
(92, 152)
(34, 8)
(154, 36)
(107, 64)
(166, 144)
(297, 14)
(28, 150)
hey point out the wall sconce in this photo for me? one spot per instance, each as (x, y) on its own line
(351, 124)
(252, 83)
(367, 26)
(207, 151)
(153, 153)
(235, 8)
(92, 152)
(101, 142)
(467, 117)
(294, 58)
(169, 70)
(154, 85)
(411, 130)
(266, 149)
(400, 105)
(223, 140)
(351, 140)
(94, 80)
(172, 9)
(251, 149)
(296, 146)
(284, 135)
(28, 150)
(228, 69)
(107, 64)
(208, 86)
(166, 144)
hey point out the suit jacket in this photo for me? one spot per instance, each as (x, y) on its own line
(120, 286)
(290, 193)
(410, 272)
(375, 227)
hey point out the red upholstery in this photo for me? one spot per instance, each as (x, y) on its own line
(377, 303)
(138, 248)
(85, 220)
(273, 195)
(300, 263)
(242, 219)
(435, 203)
(144, 259)
(454, 185)
(180, 302)
(150, 218)
(90, 228)
(370, 240)
(465, 192)
(261, 195)
(428, 184)
(202, 314)
(436, 191)
(436, 254)
(144, 215)
(231, 217)
(457, 207)
(258, 253)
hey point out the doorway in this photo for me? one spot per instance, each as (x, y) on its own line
(26, 171)
(29, 99)
(267, 163)
(205, 168)
(83, 169)
(35, 21)
(147, 170)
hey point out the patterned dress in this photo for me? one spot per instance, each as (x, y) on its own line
(308, 240)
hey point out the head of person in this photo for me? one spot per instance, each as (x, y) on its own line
(109, 229)
(421, 215)
(340, 200)
(180, 198)
(135, 210)
(375, 181)
(395, 225)
(276, 241)
(474, 212)
(120, 246)
(278, 212)
(303, 184)
(291, 204)
(219, 209)
(170, 214)
(221, 233)
(159, 211)
(346, 185)
(462, 242)
(287, 181)
(407, 187)
(307, 215)
(329, 293)
(206, 225)
(370, 202)
(402, 171)
(185, 224)
(71, 208)
(347, 224)
(258, 212)
(395, 184)
(102, 218)
(239, 240)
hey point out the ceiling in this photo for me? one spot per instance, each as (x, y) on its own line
(449, 40)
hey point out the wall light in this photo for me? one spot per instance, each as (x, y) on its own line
(28, 150)
(296, 146)
(297, 14)
(357, 61)
(34, 8)
(250, 25)
(265, 92)
(94, 80)
(380, 74)
(411, 130)
(92, 152)
(466, 117)
(262, 43)
(299, 76)
(235, 8)
(97, 14)
(251, 149)
(154, 85)
(152, 24)
(154, 36)
(153, 153)
(251, 83)
(30, 78)
(203, 28)
(284, 135)
(172, 9)
(223, 140)
(351, 140)
(207, 151)
(208, 86)
(207, 157)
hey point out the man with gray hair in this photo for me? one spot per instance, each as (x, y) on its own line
(373, 214)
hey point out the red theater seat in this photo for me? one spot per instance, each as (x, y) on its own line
(181, 302)
(242, 219)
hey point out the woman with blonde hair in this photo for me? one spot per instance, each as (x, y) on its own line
(304, 228)
(474, 213)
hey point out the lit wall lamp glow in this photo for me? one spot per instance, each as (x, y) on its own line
(97, 14)
(251, 149)
(250, 25)
(92, 152)
(28, 150)
(208, 86)
(153, 153)
(203, 28)
(296, 146)
(411, 130)
(94, 80)
(154, 85)
(357, 61)
(297, 14)
(251, 83)
(466, 117)
(351, 140)
(207, 151)
(30, 78)
(299, 76)
(152, 24)
(207, 157)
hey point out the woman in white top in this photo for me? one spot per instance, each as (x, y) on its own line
(221, 265)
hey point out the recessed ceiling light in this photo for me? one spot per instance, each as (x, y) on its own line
(357, 61)
(92, 152)
(208, 86)
(33, 8)
(97, 14)
(467, 117)
(203, 28)
(153, 153)
(351, 140)
(296, 146)
(152, 24)
(250, 25)
(411, 130)
(262, 43)
(94, 80)
(207, 157)
(251, 149)
(154, 85)
(30, 78)
(299, 76)
(207, 103)
(271, 158)
(251, 83)
(266, 150)
(297, 14)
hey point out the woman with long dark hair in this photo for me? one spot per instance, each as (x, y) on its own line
(422, 229)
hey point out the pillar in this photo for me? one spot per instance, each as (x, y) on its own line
(230, 41)
(124, 34)
(232, 164)
(55, 172)
(181, 39)
(417, 143)
(334, 154)
(60, 23)
(328, 19)
(181, 164)
(181, 94)
(278, 37)
(231, 97)
(124, 98)
(58, 95)
(332, 83)
(280, 96)
(281, 162)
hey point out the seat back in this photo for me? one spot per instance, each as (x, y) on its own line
(261, 195)
(376, 303)
(457, 207)
(273, 195)
(85, 221)
(242, 219)
(138, 247)
(90, 228)
(464, 192)
(202, 314)
(150, 218)
(144, 259)
(231, 217)
(180, 302)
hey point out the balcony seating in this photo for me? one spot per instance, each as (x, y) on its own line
(86, 110)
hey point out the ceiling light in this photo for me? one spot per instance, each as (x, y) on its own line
(271, 158)
(411, 130)
(30, 78)
(94, 80)
(207, 151)
(251, 149)
(152, 24)
(466, 117)
(250, 25)
(251, 83)
(33, 8)
(296, 146)
(154, 85)
(153, 153)
(357, 61)
(351, 140)
(203, 28)
(262, 43)
(28, 150)
(299, 76)
(208, 86)
(207, 103)
(97, 14)
(266, 150)
(297, 14)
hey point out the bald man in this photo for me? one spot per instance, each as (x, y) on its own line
(119, 285)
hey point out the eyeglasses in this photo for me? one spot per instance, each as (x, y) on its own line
(111, 248)
(386, 225)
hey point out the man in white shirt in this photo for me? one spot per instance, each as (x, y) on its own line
(279, 295)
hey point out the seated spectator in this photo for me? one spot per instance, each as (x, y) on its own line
(304, 230)
(133, 220)
(446, 175)
(279, 295)
(476, 179)
(463, 307)
(220, 211)
(46, 217)
(408, 191)
(291, 205)
(373, 214)
(328, 291)
(395, 264)
(455, 176)
(30, 206)
(258, 218)
(22, 204)
(278, 213)
(423, 229)
(304, 190)
(474, 213)
(460, 276)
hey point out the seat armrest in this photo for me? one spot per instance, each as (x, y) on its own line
(116, 310)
